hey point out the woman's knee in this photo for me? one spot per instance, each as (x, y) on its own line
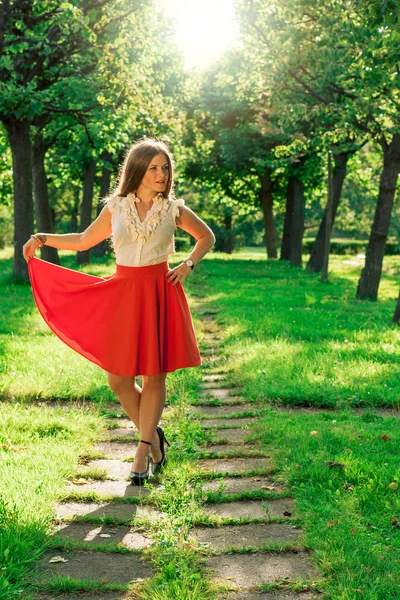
(120, 384)
(154, 380)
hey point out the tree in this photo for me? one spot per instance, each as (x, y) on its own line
(48, 49)
(396, 316)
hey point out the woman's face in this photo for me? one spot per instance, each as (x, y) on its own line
(157, 174)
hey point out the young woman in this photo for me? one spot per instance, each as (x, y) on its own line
(136, 321)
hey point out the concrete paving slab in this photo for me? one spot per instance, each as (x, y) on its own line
(105, 566)
(118, 432)
(233, 465)
(208, 369)
(219, 392)
(117, 449)
(212, 359)
(122, 422)
(228, 401)
(236, 485)
(210, 339)
(120, 489)
(250, 535)
(253, 509)
(231, 423)
(116, 409)
(233, 436)
(246, 570)
(235, 450)
(208, 384)
(115, 469)
(214, 350)
(217, 411)
(120, 510)
(102, 534)
(214, 377)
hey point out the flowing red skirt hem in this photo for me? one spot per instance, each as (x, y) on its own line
(133, 322)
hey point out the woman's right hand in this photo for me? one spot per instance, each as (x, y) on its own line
(29, 248)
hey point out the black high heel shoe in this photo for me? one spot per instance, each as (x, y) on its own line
(140, 478)
(156, 467)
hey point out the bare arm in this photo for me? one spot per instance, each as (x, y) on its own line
(205, 238)
(97, 231)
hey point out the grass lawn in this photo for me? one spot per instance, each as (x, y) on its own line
(291, 338)
(39, 449)
(288, 338)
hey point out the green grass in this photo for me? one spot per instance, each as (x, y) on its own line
(293, 339)
(350, 513)
(39, 450)
(288, 338)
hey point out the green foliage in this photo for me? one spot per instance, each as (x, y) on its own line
(352, 246)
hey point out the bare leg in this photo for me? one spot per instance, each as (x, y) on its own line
(129, 395)
(152, 401)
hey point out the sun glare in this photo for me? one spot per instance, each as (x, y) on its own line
(204, 28)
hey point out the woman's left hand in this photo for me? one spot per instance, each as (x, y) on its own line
(178, 274)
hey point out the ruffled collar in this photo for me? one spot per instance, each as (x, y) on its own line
(158, 198)
(141, 230)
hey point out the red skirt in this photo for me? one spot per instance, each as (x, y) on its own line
(133, 322)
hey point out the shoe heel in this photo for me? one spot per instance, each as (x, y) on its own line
(157, 467)
(140, 478)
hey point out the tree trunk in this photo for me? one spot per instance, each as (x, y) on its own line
(83, 257)
(19, 138)
(266, 198)
(287, 224)
(371, 274)
(74, 226)
(396, 316)
(101, 248)
(44, 221)
(230, 236)
(297, 230)
(317, 255)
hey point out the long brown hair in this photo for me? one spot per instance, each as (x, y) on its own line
(135, 166)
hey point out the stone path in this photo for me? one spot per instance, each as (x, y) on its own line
(249, 529)
(265, 525)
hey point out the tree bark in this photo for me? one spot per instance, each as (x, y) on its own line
(101, 248)
(5, 11)
(297, 230)
(396, 316)
(230, 236)
(287, 224)
(328, 221)
(317, 255)
(19, 138)
(44, 220)
(74, 225)
(83, 257)
(371, 274)
(266, 199)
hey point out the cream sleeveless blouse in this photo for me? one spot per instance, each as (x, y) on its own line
(137, 243)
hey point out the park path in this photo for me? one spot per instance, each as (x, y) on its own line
(255, 537)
